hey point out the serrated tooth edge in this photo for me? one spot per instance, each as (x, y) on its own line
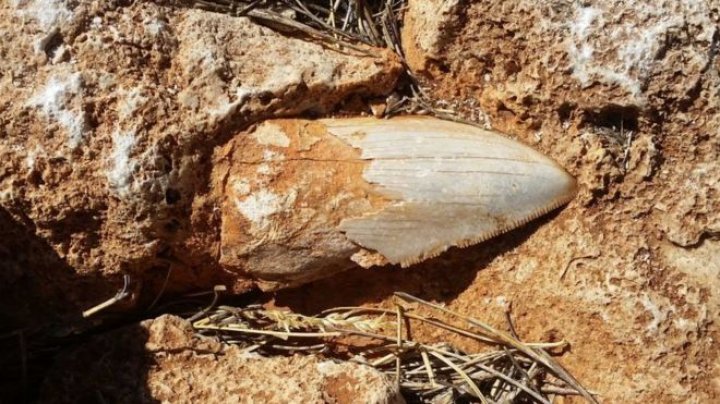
(484, 237)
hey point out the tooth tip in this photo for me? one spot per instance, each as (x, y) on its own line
(435, 166)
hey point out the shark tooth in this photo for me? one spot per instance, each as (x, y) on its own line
(453, 185)
(302, 199)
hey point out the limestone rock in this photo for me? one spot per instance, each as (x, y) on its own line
(428, 26)
(161, 360)
(110, 112)
(624, 94)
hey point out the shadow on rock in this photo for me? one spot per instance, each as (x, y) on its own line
(108, 368)
(439, 279)
(39, 302)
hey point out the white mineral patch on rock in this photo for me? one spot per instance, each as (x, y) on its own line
(121, 165)
(271, 135)
(32, 156)
(130, 101)
(264, 169)
(269, 155)
(241, 187)
(260, 206)
(154, 26)
(224, 106)
(658, 316)
(48, 14)
(579, 50)
(55, 99)
(605, 47)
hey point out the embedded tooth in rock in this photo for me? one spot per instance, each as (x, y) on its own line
(300, 199)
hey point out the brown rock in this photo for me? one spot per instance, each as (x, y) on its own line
(161, 360)
(110, 114)
(429, 25)
(624, 94)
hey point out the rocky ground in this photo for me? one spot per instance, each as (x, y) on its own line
(111, 112)
(160, 360)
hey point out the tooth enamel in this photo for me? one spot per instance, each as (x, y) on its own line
(453, 185)
(373, 191)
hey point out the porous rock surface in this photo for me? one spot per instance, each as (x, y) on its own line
(160, 360)
(624, 94)
(110, 112)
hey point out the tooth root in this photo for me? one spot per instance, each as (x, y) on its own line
(452, 185)
(301, 199)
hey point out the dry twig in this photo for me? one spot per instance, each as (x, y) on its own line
(356, 25)
(511, 371)
(120, 295)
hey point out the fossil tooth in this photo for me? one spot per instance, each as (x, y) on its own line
(301, 198)
(453, 185)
